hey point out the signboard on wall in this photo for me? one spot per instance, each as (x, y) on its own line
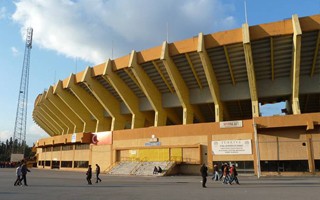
(102, 138)
(74, 138)
(231, 124)
(152, 144)
(231, 147)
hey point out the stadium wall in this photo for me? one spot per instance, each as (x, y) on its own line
(283, 142)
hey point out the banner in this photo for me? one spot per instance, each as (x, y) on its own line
(231, 147)
(101, 138)
(73, 138)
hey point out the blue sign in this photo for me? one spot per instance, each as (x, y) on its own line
(152, 144)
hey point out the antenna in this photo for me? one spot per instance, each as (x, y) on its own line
(167, 31)
(112, 50)
(19, 133)
(245, 12)
(76, 64)
(54, 77)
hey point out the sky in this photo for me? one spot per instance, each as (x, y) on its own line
(69, 35)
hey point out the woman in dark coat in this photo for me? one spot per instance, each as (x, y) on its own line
(89, 175)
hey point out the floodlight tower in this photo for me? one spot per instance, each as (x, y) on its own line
(19, 134)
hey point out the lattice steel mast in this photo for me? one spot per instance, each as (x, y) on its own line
(19, 133)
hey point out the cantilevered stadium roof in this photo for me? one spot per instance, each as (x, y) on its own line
(215, 77)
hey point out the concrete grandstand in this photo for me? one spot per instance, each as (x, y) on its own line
(193, 101)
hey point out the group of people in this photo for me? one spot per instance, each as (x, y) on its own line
(89, 174)
(21, 173)
(228, 174)
(157, 170)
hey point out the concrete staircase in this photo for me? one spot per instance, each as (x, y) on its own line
(141, 168)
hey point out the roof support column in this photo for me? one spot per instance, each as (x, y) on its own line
(77, 108)
(91, 104)
(48, 122)
(60, 116)
(296, 64)
(53, 115)
(211, 78)
(250, 70)
(106, 99)
(129, 98)
(150, 90)
(46, 118)
(54, 120)
(43, 125)
(78, 124)
(178, 84)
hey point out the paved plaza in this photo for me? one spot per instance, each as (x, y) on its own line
(58, 185)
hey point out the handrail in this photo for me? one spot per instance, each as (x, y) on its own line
(110, 167)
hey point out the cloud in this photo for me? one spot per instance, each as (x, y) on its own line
(35, 133)
(92, 30)
(5, 135)
(3, 12)
(14, 51)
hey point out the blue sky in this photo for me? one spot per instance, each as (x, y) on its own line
(70, 35)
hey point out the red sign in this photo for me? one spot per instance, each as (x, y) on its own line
(102, 138)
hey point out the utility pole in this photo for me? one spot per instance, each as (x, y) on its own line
(19, 134)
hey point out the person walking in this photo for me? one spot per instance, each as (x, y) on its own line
(233, 175)
(18, 174)
(204, 174)
(89, 175)
(215, 172)
(98, 173)
(226, 174)
(24, 171)
(222, 169)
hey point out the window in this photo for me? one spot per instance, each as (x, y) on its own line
(284, 165)
(47, 163)
(67, 147)
(48, 149)
(67, 164)
(317, 165)
(56, 148)
(82, 146)
(81, 164)
(55, 164)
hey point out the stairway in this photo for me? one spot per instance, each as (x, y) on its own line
(141, 168)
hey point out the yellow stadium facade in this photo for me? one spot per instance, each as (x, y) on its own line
(193, 101)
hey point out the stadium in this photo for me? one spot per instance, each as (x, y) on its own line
(193, 101)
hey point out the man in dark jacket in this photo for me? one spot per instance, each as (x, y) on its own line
(24, 171)
(89, 175)
(97, 173)
(204, 174)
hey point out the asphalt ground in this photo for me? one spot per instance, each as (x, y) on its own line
(63, 185)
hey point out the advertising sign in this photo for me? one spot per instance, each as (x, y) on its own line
(231, 147)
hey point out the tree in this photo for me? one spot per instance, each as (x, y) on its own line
(6, 147)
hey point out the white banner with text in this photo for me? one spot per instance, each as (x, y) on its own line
(231, 147)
